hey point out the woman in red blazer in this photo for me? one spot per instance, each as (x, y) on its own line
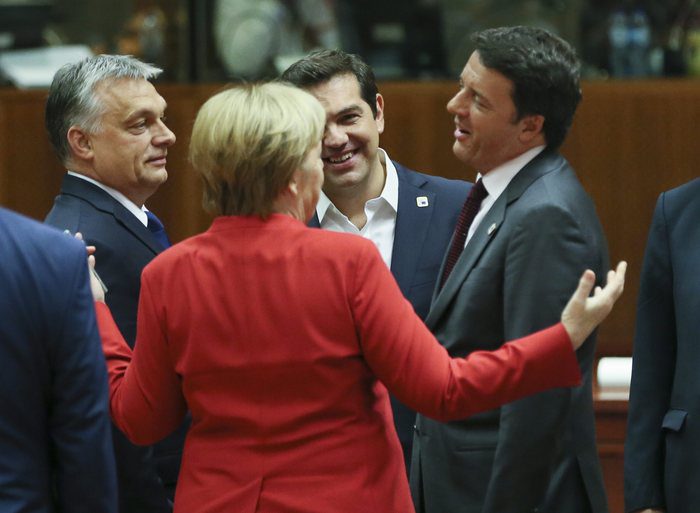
(282, 340)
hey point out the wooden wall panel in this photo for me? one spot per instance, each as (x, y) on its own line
(629, 142)
(29, 172)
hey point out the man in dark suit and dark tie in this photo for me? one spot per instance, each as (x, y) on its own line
(662, 448)
(106, 122)
(409, 216)
(514, 262)
(55, 437)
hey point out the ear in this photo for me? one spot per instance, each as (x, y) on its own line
(79, 142)
(531, 128)
(379, 118)
(293, 186)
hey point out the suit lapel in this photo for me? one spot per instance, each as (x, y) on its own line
(102, 201)
(484, 234)
(412, 225)
(487, 230)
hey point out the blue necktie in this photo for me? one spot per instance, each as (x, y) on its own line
(157, 229)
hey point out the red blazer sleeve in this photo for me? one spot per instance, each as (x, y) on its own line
(405, 356)
(140, 383)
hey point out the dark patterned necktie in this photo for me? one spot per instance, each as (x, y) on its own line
(469, 210)
(157, 229)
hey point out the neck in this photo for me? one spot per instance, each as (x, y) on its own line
(285, 206)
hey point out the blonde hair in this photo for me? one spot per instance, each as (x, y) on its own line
(247, 142)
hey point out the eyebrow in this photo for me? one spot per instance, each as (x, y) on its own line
(143, 113)
(475, 91)
(347, 110)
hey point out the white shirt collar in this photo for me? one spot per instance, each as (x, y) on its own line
(496, 181)
(499, 177)
(390, 192)
(139, 212)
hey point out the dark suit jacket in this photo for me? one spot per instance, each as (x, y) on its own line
(282, 341)
(55, 441)
(420, 241)
(124, 247)
(514, 277)
(662, 449)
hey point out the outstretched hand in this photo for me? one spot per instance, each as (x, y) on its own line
(583, 313)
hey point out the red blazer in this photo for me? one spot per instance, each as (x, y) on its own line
(280, 340)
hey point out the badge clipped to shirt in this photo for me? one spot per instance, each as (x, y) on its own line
(422, 201)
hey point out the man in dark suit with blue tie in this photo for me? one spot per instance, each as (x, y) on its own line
(55, 438)
(662, 448)
(106, 122)
(410, 216)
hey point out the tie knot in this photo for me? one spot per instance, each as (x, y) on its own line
(478, 192)
(157, 229)
(154, 224)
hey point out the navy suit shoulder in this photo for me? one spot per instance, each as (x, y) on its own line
(124, 246)
(427, 213)
(54, 421)
(662, 446)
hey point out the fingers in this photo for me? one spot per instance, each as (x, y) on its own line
(585, 285)
(616, 279)
(79, 236)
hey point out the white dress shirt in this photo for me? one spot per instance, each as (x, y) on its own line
(380, 212)
(496, 181)
(139, 212)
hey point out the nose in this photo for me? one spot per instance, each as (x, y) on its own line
(164, 136)
(334, 136)
(458, 104)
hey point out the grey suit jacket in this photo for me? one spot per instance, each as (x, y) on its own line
(513, 278)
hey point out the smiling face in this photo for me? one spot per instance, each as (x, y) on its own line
(487, 132)
(351, 138)
(128, 152)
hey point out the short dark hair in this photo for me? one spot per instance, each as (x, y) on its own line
(322, 65)
(545, 72)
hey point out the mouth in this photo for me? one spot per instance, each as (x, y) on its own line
(159, 161)
(461, 133)
(339, 159)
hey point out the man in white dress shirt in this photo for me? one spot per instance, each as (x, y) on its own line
(409, 216)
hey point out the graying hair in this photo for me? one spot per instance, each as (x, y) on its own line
(72, 100)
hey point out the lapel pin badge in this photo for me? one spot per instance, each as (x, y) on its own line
(491, 229)
(422, 201)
